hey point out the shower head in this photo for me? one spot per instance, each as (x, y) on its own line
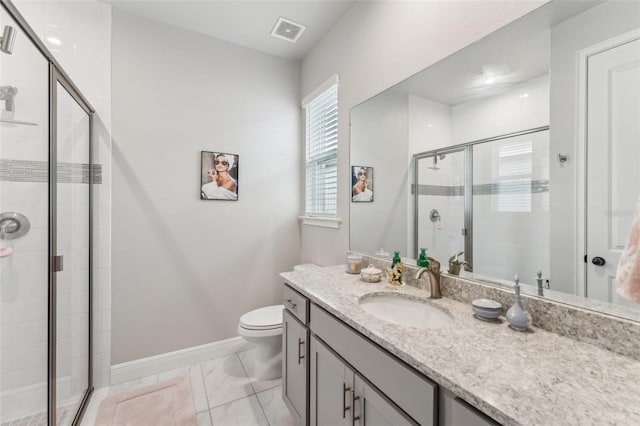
(8, 39)
(435, 163)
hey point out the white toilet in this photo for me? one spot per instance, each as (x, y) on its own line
(263, 328)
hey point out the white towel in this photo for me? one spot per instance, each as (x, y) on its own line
(628, 274)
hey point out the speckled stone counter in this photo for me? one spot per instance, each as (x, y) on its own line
(530, 378)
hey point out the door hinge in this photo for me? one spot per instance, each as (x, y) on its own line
(58, 264)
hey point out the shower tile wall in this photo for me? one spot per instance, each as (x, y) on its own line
(23, 274)
(78, 34)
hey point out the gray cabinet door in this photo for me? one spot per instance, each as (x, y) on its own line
(372, 409)
(331, 386)
(455, 412)
(294, 367)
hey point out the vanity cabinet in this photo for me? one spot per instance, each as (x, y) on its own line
(382, 377)
(334, 376)
(340, 396)
(295, 355)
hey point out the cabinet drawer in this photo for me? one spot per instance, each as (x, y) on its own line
(296, 303)
(465, 415)
(412, 392)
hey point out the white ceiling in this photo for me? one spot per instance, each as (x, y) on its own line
(246, 22)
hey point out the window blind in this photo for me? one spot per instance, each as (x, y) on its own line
(321, 154)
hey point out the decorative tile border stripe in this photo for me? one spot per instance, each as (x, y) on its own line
(534, 187)
(38, 171)
(514, 187)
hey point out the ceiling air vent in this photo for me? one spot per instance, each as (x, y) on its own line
(287, 30)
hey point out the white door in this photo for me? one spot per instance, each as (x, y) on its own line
(613, 162)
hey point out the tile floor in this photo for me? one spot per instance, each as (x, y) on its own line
(223, 393)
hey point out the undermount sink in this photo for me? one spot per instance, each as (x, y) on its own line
(404, 311)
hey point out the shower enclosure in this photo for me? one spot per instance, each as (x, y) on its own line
(489, 199)
(46, 177)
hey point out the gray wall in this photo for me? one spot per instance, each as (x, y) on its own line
(185, 270)
(374, 46)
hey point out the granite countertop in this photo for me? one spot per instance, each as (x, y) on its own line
(517, 378)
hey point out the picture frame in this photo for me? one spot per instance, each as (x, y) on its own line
(219, 176)
(361, 184)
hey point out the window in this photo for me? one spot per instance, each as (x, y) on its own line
(321, 150)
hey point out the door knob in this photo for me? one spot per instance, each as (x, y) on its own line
(598, 261)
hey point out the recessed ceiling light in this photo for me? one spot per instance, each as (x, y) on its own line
(288, 30)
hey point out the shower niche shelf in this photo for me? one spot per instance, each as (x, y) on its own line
(11, 123)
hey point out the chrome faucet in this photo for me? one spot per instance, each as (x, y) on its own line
(433, 270)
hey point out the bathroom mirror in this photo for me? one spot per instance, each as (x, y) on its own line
(520, 150)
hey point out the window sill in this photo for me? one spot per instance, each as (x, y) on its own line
(323, 222)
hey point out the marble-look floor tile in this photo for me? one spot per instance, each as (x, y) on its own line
(246, 358)
(225, 380)
(204, 418)
(242, 412)
(274, 408)
(194, 373)
(133, 384)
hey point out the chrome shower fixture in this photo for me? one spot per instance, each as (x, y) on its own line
(7, 93)
(435, 161)
(8, 39)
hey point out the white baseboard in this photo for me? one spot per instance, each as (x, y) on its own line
(132, 370)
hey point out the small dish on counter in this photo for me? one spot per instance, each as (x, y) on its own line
(371, 274)
(486, 309)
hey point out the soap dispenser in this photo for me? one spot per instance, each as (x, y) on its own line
(423, 262)
(395, 272)
(518, 318)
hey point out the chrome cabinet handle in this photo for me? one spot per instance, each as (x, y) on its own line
(354, 398)
(345, 389)
(300, 356)
(291, 304)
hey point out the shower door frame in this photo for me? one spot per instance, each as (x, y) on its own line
(467, 147)
(56, 74)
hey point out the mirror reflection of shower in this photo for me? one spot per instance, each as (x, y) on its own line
(7, 40)
(435, 161)
(439, 203)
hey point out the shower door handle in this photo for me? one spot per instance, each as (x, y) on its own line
(58, 264)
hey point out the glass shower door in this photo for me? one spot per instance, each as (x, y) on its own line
(511, 207)
(440, 205)
(73, 239)
(24, 207)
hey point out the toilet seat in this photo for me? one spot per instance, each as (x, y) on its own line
(265, 321)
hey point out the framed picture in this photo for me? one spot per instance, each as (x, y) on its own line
(219, 176)
(361, 184)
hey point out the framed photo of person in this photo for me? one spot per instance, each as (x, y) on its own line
(219, 176)
(361, 184)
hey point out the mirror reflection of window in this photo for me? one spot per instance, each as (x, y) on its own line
(512, 172)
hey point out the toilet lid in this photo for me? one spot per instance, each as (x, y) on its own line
(264, 318)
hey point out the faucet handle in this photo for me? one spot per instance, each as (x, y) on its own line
(434, 265)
